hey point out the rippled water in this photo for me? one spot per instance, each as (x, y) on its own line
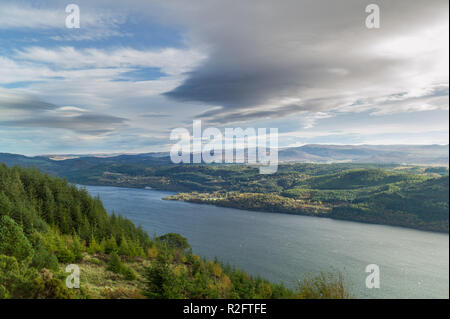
(282, 248)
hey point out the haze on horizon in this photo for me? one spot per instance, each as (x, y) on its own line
(136, 70)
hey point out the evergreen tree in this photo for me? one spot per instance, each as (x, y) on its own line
(161, 280)
(13, 241)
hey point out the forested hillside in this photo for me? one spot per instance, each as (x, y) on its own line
(391, 194)
(383, 196)
(47, 223)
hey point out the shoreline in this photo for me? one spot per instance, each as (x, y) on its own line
(265, 210)
(310, 215)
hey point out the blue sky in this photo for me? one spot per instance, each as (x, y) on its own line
(136, 70)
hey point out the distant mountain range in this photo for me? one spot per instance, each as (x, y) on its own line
(399, 154)
(314, 153)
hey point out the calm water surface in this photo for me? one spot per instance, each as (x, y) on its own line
(282, 248)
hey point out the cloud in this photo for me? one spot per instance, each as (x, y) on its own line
(155, 115)
(12, 71)
(91, 124)
(49, 21)
(219, 115)
(24, 16)
(101, 79)
(319, 52)
(18, 110)
(436, 99)
(171, 61)
(12, 101)
(295, 64)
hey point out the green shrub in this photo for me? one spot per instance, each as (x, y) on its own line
(4, 294)
(65, 256)
(175, 241)
(116, 266)
(161, 281)
(77, 247)
(128, 273)
(124, 248)
(48, 287)
(94, 247)
(114, 263)
(13, 241)
(44, 259)
(109, 245)
(94, 261)
(323, 287)
(16, 279)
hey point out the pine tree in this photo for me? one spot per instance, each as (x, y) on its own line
(13, 241)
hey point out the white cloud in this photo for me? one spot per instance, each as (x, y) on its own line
(51, 20)
(95, 77)
(12, 71)
(14, 16)
(24, 16)
(170, 61)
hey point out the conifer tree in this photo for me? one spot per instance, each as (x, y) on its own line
(12, 239)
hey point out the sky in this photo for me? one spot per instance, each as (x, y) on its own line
(135, 70)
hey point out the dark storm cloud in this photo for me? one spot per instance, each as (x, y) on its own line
(263, 52)
(235, 88)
